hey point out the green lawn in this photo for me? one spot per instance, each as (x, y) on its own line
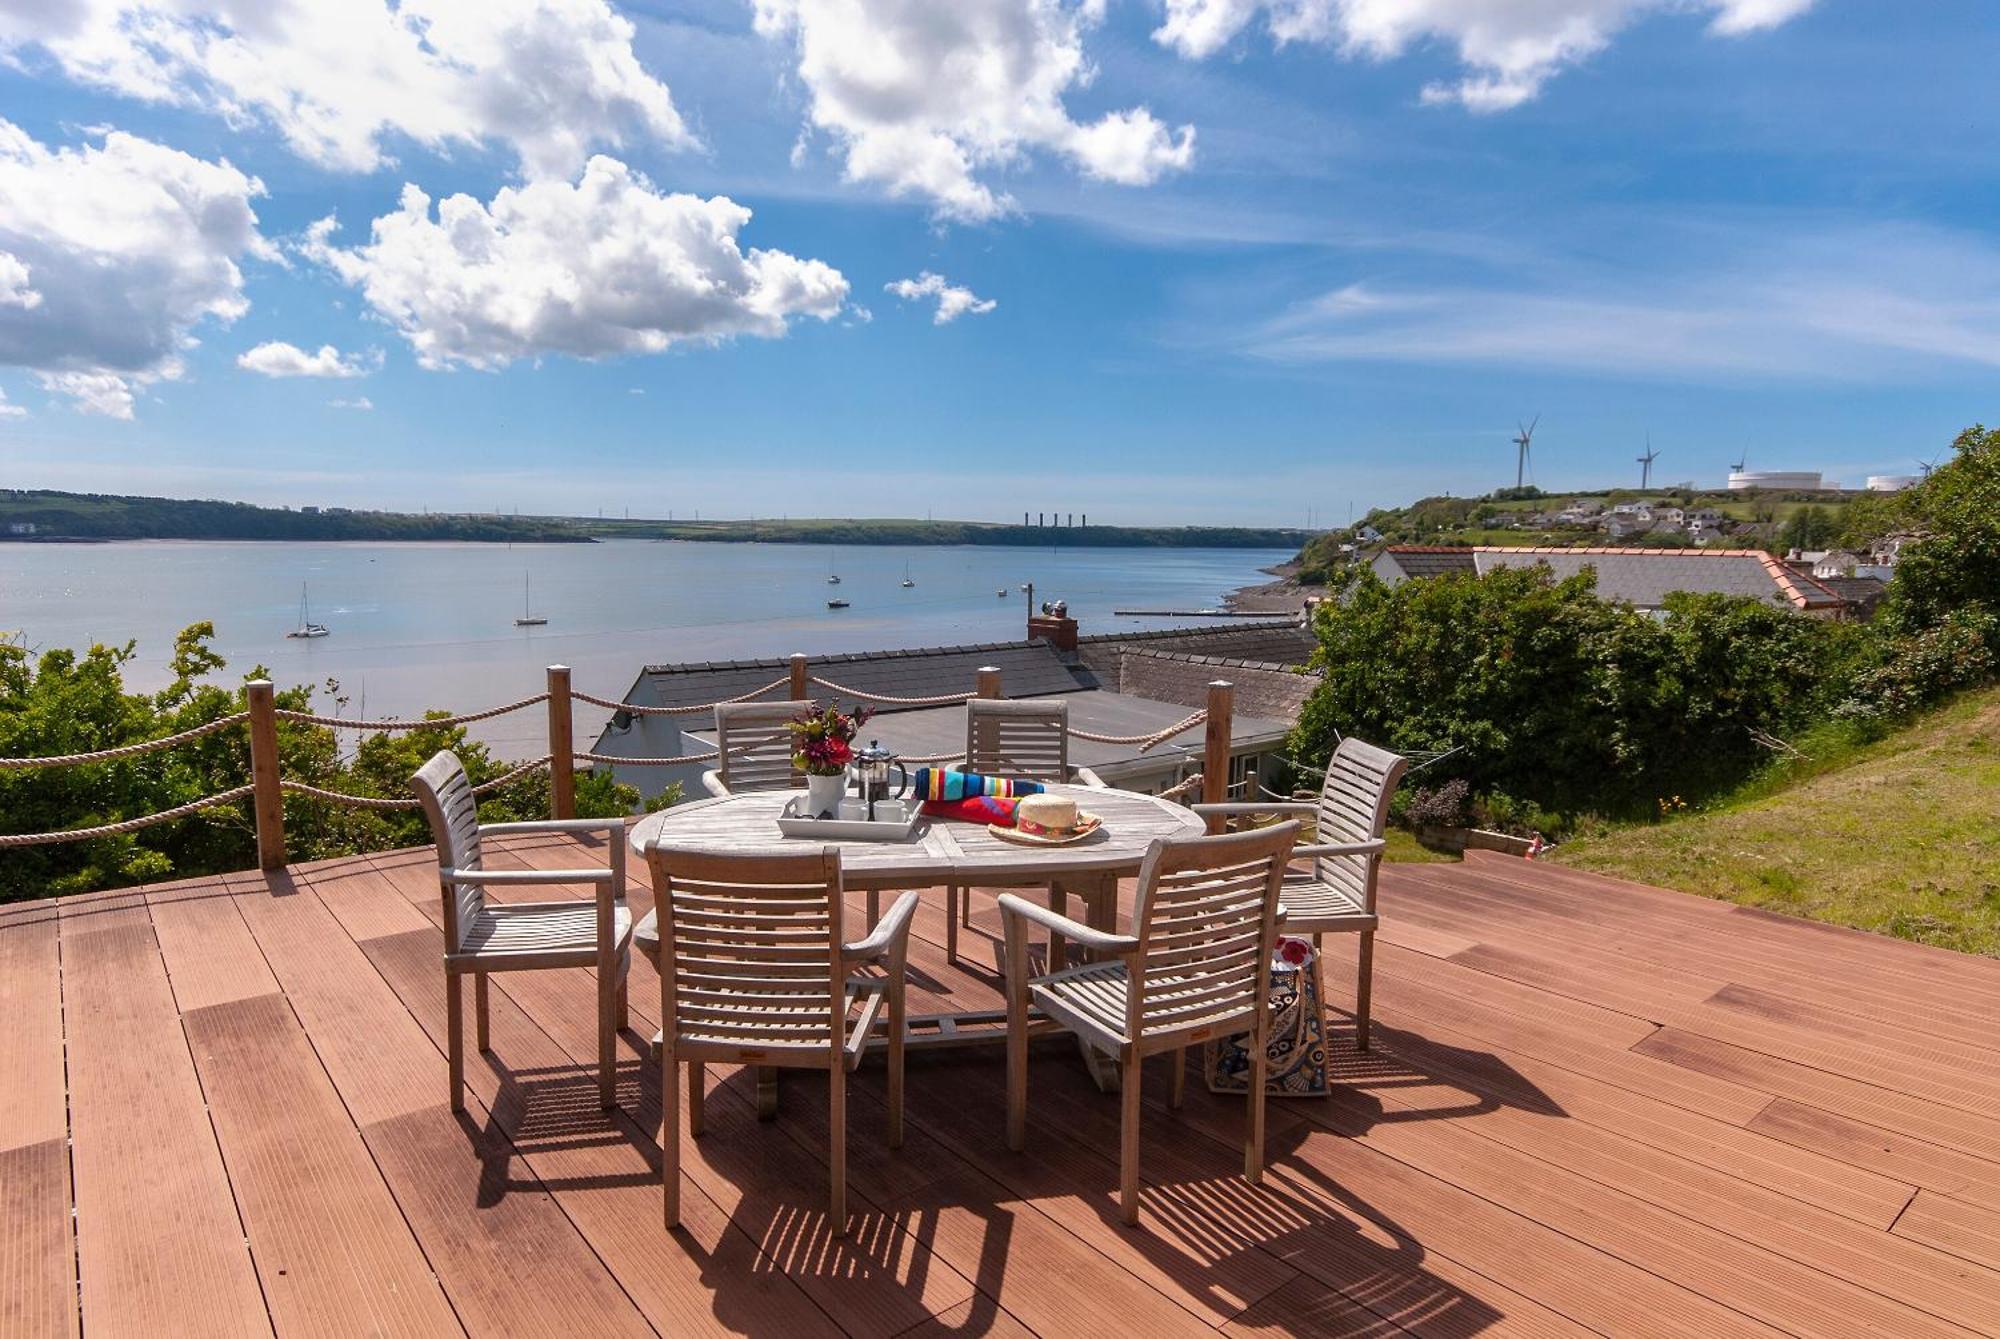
(1902, 838)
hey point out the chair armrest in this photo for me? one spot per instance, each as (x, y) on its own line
(1256, 807)
(1085, 777)
(711, 782)
(889, 933)
(552, 825)
(1369, 847)
(501, 877)
(1018, 909)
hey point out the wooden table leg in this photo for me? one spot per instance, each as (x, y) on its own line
(767, 1092)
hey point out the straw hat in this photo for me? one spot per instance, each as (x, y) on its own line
(1048, 820)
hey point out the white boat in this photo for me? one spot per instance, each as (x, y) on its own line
(307, 628)
(1001, 593)
(908, 580)
(528, 618)
(832, 580)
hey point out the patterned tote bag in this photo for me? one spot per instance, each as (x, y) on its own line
(1296, 1055)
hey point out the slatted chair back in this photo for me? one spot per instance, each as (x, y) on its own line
(1206, 919)
(750, 951)
(1027, 738)
(445, 793)
(756, 746)
(1354, 807)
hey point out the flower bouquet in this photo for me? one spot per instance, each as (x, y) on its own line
(822, 746)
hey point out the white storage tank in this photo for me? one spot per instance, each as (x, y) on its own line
(1786, 481)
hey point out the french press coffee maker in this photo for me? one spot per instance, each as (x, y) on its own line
(871, 767)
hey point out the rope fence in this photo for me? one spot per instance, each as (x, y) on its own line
(399, 723)
(694, 709)
(128, 750)
(713, 755)
(128, 825)
(410, 802)
(1145, 742)
(267, 787)
(887, 699)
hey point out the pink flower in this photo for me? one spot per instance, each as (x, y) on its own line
(1294, 951)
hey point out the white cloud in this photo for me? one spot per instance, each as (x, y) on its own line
(104, 393)
(129, 245)
(275, 358)
(953, 300)
(9, 409)
(1510, 47)
(549, 78)
(924, 98)
(1875, 304)
(358, 402)
(14, 289)
(605, 266)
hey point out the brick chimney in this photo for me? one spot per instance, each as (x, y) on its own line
(1058, 630)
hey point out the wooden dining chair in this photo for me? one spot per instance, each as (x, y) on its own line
(481, 938)
(1197, 967)
(754, 970)
(755, 747)
(1025, 739)
(1337, 895)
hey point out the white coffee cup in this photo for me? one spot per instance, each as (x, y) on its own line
(890, 811)
(853, 811)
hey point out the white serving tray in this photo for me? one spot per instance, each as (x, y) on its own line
(795, 824)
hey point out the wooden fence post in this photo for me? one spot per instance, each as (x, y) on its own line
(989, 681)
(268, 800)
(1215, 749)
(562, 765)
(801, 679)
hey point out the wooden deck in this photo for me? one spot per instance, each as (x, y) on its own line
(1593, 1107)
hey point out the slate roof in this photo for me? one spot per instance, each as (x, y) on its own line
(1027, 669)
(1864, 593)
(1272, 642)
(931, 730)
(1425, 560)
(1646, 576)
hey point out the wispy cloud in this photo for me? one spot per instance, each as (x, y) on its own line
(1875, 304)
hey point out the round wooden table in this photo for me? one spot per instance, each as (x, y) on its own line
(937, 853)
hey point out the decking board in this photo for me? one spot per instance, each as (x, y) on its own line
(1809, 1146)
(160, 1246)
(332, 1249)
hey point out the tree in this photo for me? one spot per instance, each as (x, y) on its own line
(1812, 527)
(1955, 566)
(1548, 693)
(64, 703)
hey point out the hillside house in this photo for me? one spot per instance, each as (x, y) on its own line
(1116, 684)
(1642, 577)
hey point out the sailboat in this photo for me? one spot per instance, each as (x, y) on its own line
(307, 628)
(832, 577)
(528, 619)
(908, 580)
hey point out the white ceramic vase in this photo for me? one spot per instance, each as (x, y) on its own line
(823, 795)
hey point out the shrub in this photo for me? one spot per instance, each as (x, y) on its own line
(1920, 669)
(1441, 807)
(1553, 696)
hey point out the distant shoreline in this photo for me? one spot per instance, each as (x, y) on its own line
(49, 516)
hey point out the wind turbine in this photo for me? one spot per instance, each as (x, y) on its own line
(1522, 439)
(1927, 466)
(1737, 468)
(1646, 464)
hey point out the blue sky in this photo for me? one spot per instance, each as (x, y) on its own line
(1246, 260)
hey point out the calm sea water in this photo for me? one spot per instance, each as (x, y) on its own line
(431, 625)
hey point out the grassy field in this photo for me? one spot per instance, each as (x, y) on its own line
(1901, 837)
